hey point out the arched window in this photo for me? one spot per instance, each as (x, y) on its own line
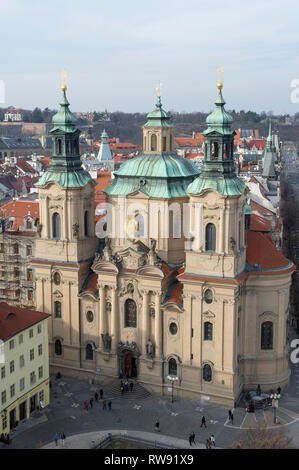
(58, 347)
(172, 367)
(56, 225)
(57, 279)
(208, 331)
(207, 373)
(59, 147)
(89, 352)
(57, 309)
(210, 237)
(208, 296)
(267, 335)
(130, 314)
(153, 142)
(86, 224)
(28, 224)
(139, 226)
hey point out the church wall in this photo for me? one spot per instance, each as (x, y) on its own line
(267, 299)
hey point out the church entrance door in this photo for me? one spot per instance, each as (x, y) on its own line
(130, 365)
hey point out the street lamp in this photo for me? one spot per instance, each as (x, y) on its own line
(172, 379)
(275, 397)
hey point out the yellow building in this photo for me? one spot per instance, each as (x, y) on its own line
(24, 364)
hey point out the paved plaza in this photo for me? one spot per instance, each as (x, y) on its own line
(137, 412)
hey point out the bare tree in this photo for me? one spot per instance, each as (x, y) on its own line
(262, 437)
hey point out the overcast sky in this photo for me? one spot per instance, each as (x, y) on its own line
(115, 51)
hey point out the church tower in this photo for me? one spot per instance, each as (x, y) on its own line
(217, 203)
(215, 262)
(67, 242)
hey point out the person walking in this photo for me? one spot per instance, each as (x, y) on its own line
(131, 386)
(56, 438)
(91, 402)
(231, 416)
(96, 396)
(208, 444)
(212, 438)
(193, 437)
(109, 405)
(101, 393)
(126, 385)
(122, 389)
(190, 439)
(86, 404)
(62, 439)
(104, 405)
(157, 426)
(203, 422)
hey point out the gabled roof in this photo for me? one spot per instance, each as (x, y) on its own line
(14, 319)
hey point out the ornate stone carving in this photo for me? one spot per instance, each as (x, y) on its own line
(75, 228)
(150, 349)
(130, 346)
(39, 229)
(232, 245)
(106, 341)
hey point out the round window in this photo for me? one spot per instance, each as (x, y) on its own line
(173, 328)
(57, 279)
(89, 316)
(208, 296)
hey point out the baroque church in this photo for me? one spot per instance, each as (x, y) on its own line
(204, 302)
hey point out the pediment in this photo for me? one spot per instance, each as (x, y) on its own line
(130, 258)
(57, 294)
(149, 270)
(209, 314)
(100, 265)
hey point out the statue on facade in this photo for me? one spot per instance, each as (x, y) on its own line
(75, 228)
(152, 255)
(232, 244)
(39, 229)
(106, 341)
(107, 252)
(150, 349)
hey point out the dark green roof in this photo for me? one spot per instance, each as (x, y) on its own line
(158, 117)
(158, 176)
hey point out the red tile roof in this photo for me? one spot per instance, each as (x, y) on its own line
(24, 166)
(14, 319)
(261, 210)
(19, 209)
(103, 181)
(188, 141)
(261, 250)
(259, 144)
(176, 294)
(259, 224)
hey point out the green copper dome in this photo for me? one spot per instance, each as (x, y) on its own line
(158, 117)
(64, 119)
(219, 119)
(66, 167)
(218, 170)
(158, 176)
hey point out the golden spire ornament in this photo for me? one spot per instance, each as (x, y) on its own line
(220, 70)
(63, 75)
(159, 88)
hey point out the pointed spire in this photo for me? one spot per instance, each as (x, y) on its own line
(269, 138)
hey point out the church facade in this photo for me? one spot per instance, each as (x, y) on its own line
(181, 289)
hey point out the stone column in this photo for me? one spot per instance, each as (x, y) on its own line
(102, 311)
(145, 320)
(114, 318)
(158, 325)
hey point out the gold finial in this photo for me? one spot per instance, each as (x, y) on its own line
(220, 70)
(159, 88)
(63, 75)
